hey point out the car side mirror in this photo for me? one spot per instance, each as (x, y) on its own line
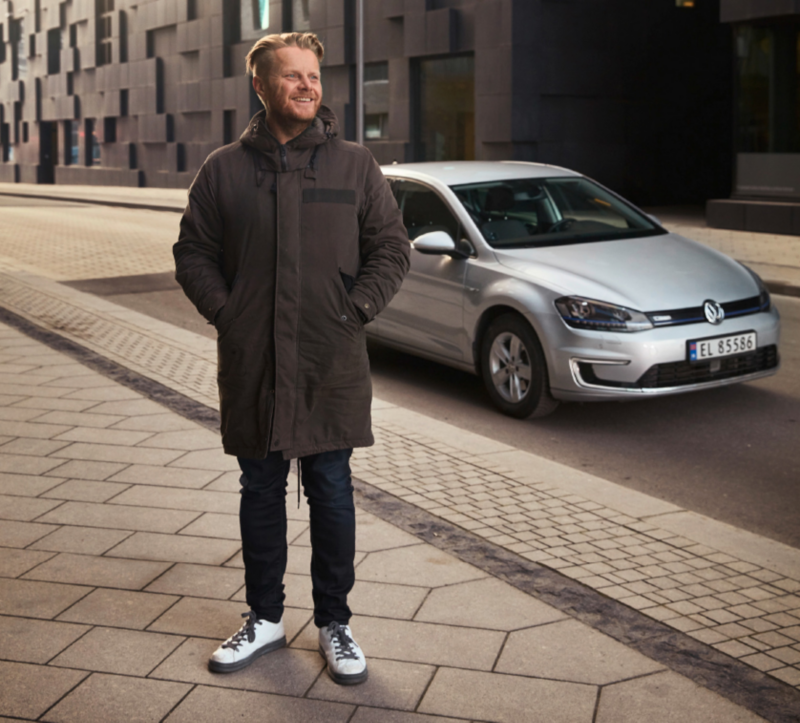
(437, 243)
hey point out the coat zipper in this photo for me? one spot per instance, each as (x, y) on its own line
(284, 162)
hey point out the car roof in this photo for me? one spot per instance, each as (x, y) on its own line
(453, 173)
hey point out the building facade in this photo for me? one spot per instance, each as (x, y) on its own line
(766, 150)
(138, 92)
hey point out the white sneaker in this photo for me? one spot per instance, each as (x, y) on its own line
(346, 662)
(255, 638)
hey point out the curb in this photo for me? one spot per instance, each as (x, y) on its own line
(97, 201)
(781, 288)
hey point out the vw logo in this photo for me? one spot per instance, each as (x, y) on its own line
(714, 312)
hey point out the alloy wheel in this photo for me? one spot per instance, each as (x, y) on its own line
(510, 367)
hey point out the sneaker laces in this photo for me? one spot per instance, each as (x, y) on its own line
(248, 630)
(344, 647)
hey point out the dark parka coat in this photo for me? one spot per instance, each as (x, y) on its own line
(294, 247)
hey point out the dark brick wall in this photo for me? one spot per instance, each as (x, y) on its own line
(636, 94)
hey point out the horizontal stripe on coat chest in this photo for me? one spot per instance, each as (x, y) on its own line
(329, 195)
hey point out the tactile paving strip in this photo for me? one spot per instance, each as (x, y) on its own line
(184, 370)
(743, 610)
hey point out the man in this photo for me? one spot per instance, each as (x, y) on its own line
(290, 243)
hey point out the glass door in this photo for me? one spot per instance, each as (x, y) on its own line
(445, 109)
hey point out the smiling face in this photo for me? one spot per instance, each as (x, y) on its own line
(292, 93)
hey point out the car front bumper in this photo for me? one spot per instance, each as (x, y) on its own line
(595, 366)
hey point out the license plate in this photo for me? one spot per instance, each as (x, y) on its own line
(720, 346)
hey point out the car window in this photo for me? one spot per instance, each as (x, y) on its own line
(424, 210)
(550, 211)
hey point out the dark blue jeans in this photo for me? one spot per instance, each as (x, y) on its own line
(262, 518)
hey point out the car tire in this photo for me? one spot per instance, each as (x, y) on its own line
(514, 370)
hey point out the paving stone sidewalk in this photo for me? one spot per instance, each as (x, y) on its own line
(744, 605)
(120, 571)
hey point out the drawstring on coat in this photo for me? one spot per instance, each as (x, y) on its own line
(311, 167)
(298, 484)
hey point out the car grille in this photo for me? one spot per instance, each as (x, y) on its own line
(683, 373)
(679, 374)
(695, 314)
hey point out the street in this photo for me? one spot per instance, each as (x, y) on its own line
(728, 453)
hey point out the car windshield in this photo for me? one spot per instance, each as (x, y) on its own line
(550, 212)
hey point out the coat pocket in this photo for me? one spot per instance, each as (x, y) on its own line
(230, 312)
(349, 308)
(348, 281)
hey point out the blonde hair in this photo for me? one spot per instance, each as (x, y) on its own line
(259, 59)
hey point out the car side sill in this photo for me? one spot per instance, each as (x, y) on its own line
(430, 356)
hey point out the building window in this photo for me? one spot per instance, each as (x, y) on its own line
(19, 54)
(2, 45)
(301, 21)
(92, 143)
(253, 19)
(685, 3)
(123, 36)
(104, 11)
(444, 113)
(191, 10)
(25, 135)
(768, 89)
(17, 122)
(376, 101)
(54, 51)
(109, 130)
(71, 141)
(376, 126)
(260, 14)
(227, 127)
(5, 141)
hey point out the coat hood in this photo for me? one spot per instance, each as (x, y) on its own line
(257, 136)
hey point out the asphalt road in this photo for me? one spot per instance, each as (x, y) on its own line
(732, 453)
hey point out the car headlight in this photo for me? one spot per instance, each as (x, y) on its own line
(765, 303)
(581, 313)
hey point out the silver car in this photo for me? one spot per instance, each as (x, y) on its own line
(551, 287)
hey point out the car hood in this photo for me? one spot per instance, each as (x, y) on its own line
(649, 274)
